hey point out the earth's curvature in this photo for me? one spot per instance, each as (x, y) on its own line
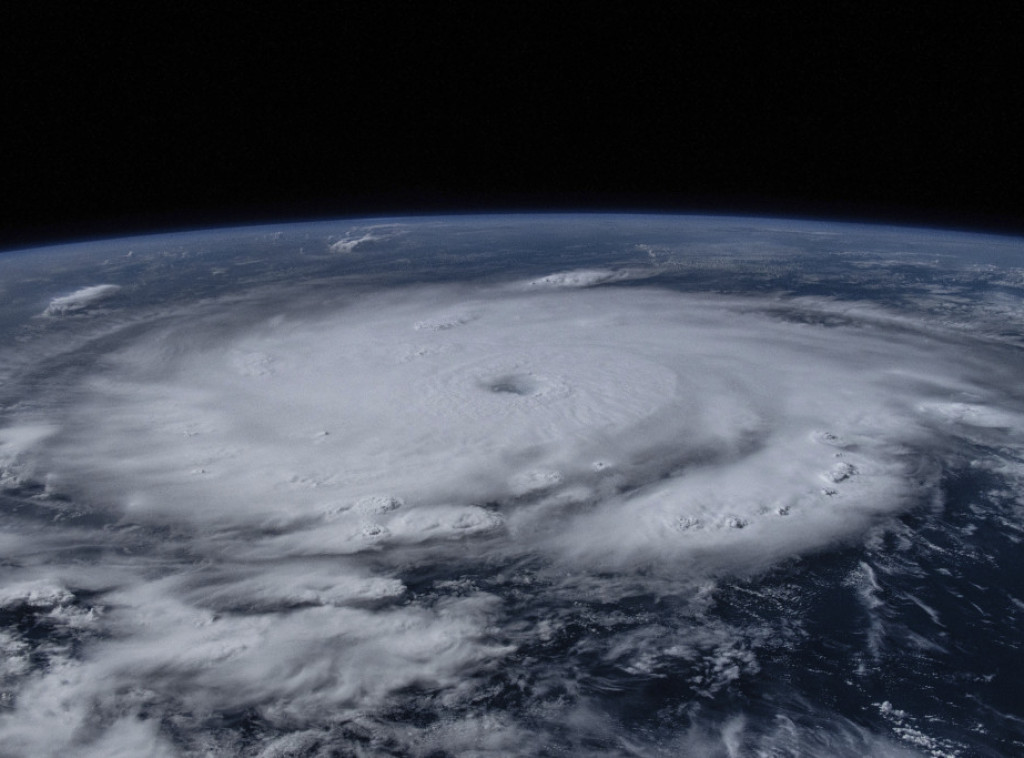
(534, 485)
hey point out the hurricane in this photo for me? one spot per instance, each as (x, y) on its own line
(514, 486)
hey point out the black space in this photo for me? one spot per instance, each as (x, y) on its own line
(114, 123)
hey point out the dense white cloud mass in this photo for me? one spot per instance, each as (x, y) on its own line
(280, 495)
(616, 427)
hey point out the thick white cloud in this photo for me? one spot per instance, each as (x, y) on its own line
(686, 426)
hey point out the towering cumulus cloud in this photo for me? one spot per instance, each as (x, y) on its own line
(287, 524)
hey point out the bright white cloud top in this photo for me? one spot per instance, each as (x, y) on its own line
(308, 504)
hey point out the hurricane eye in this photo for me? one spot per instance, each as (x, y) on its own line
(512, 384)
